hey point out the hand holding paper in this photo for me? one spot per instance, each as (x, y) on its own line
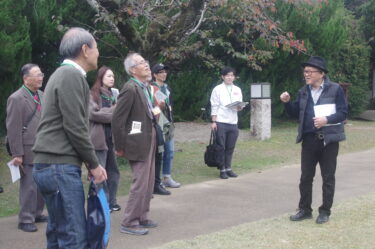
(319, 122)
(237, 104)
(14, 171)
(321, 114)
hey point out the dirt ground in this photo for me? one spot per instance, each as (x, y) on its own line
(199, 132)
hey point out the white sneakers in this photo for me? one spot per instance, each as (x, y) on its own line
(170, 183)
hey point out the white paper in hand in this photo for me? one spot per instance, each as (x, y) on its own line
(115, 93)
(160, 96)
(324, 110)
(14, 171)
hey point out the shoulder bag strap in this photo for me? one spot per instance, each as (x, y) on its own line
(30, 117)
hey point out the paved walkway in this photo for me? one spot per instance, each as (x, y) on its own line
(214, 205)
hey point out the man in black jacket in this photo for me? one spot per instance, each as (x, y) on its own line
(321, 108)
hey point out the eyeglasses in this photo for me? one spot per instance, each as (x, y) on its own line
(141, 63)
(41, 75)
(309, 72)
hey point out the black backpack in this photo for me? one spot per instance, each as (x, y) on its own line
(214, 154)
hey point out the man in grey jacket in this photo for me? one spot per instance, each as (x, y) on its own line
(63, 144)
(23, 115)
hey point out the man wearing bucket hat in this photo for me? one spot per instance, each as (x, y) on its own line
(321, 109)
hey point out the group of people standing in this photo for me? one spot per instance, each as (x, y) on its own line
(52, 134)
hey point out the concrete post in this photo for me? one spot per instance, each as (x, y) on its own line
(260, 118)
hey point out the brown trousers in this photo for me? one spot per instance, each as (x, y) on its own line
(142, 187)
(31, 200)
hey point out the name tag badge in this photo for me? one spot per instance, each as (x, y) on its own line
(156, 110)
(136, 127)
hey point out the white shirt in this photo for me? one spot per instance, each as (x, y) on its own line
(316, 92)
(74, 64)
(222, 96)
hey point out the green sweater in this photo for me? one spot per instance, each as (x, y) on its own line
(63, 136)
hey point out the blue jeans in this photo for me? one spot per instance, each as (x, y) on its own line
(168, 157)
(62, 189)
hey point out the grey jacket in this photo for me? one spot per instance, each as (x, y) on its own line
(63, 132)
(98, 116)
(20, 107)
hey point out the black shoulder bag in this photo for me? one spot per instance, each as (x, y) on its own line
(214, 154)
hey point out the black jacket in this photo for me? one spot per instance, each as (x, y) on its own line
(332, 94)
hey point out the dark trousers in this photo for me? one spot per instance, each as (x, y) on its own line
(313, 152)
(158, 161)
(107, 159)
(227, 135)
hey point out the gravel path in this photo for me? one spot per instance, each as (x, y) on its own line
(199, 132)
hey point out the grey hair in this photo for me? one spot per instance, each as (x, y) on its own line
(129, 62)
(25, 69)
(72, 42)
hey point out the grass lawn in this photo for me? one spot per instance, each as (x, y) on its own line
(353, 227)
(189, 166)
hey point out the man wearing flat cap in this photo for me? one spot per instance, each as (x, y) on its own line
(321, 109)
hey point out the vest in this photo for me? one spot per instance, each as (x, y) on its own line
(332, 133)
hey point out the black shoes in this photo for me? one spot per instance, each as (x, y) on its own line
(41, 218)
(160, 190)
(27, 227)
(301, 215)
(223, 175)
(31, 227)
(133, 230)
(115, 207)
(147, 224)
(227, 174)
(322, 218)
(230, 173)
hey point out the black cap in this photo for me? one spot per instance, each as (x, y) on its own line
(158, 67)
(317, 62)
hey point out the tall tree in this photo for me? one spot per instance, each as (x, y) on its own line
(180, 30)
(328, 30)
(15, 49)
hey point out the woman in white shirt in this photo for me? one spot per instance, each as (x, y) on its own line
(225, 119)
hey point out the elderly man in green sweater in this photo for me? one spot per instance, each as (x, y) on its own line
(62, 143)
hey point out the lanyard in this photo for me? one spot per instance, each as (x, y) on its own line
(66, 64)
(145, 90)
(151, 92)
(37, 99)
(112, 99)
(229, 92)
(76, 66)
